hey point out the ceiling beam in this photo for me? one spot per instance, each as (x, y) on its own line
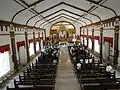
(59, 24)
(44, 11)
(29, 6)
(94, 2)
(75, 18)
(63, 3)
(63, 17)
(94, 7)
(62, 14)
(83, 10)
(33, 10)
(65, 11)
(52, 18)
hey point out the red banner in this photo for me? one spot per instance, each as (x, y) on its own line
(83, 35)
(96, 37)
(31, 40)
(41, 38)
(36, 39)
(20, 44)
(109, 39)
(4, 48)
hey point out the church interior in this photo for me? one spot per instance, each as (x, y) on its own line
(59, 45)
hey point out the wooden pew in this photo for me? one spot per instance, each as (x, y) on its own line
(33, 83)
(32, 75)
(32, 88)
(99, 80)
(110, 86)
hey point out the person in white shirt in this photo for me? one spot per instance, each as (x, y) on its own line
(78, 66)
(109, 69)
(86, 61)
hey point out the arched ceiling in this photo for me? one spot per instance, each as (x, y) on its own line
(66, 24)
(41, 12)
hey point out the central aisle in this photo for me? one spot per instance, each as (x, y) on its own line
(66, 78)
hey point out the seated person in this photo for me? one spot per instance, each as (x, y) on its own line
(81, 60)
(78, 66)
(109, 70)
(90, 60)
(86, 61)
(54, 61)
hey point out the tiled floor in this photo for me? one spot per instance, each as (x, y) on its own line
(66, 78)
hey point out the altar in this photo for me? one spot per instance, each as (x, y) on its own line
(63, 32)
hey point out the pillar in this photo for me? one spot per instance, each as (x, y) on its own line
(39, 40)
(87, 38)
(27, 47)
(83, 37)
(13, 46)
(101, 42)
(93, 40)
(34, 41)
(116, 41)
(80, 33)
(45, 33)
(43, 40)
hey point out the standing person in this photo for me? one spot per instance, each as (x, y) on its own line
(109, 69)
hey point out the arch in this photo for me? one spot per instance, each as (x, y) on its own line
(66, 18)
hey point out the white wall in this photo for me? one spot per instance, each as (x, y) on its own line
(96, 33)
(37, 44)
(89, 32)
(105, 50)
(36, 34)
(85, 32)
(85, 41)
(119, 49)
(30, 35)
(108, 33)
(90, 43)
(21, 55)
(5, 39)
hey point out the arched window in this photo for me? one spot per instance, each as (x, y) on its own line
(4, 63)
(90, 44)
(97, 46)
(37, 46)
(85, 40)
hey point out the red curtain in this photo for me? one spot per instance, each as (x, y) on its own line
(96, 37)
(41, 38)
(36, 39)
(106, 39)
(4, 48)
(31, 40)
(90, 37)
(20, 44)
(109, 39)
(83, 35)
